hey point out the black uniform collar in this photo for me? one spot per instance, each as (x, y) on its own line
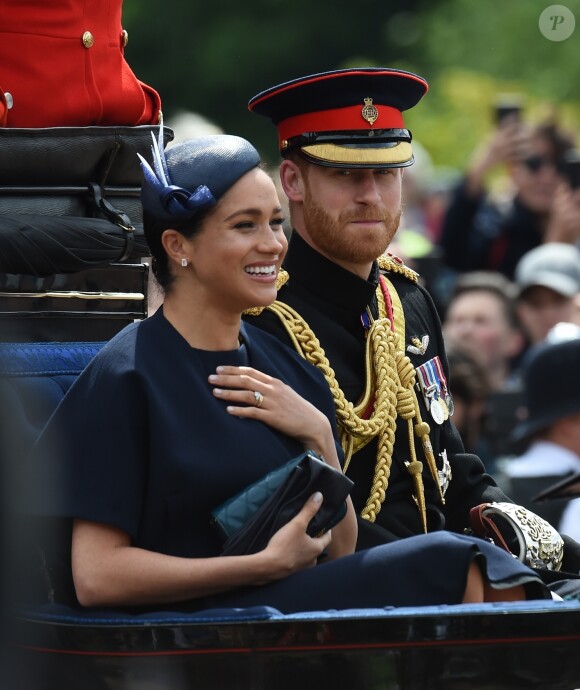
(328, 281)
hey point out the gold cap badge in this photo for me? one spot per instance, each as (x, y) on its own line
(369, 111)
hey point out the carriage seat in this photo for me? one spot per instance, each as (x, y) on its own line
(33, 379)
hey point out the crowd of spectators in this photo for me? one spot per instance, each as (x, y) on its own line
(503, 266)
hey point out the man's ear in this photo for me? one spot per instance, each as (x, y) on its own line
(292, 180)
(174, 244)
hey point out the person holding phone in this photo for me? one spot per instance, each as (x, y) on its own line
(565, 219)
(478, 233)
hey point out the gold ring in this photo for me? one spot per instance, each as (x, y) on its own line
(259, 399)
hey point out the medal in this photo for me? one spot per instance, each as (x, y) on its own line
(450, 405)
(436, 411)
(445, 392)
(444, 473)
(444, 407)
(433, 385)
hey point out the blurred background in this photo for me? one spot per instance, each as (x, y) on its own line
(483, 193)
(210, 58)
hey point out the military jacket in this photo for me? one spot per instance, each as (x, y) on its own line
(331, 300)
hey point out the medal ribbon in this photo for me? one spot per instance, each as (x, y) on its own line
(433, 374)
(428, 380)
(442, 377)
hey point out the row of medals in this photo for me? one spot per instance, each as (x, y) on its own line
(437, 398)
(440, 408)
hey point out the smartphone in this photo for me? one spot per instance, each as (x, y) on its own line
(571, 168)
(508, 104)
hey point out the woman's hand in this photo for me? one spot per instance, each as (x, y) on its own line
(291, 549)
(255, 395)
(283, 409)
(109, 571)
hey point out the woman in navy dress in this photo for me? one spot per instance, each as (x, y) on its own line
(184, 409)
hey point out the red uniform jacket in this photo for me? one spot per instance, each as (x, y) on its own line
(62, 64)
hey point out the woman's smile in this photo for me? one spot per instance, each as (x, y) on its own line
(262, 272)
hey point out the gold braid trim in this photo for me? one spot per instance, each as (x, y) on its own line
(356, 431)
(409, 405)
(389, 388)
(382, 344)
(281, 279)
(380, 355)
(393, 264)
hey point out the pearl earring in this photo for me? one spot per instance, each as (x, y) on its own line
(184, 262)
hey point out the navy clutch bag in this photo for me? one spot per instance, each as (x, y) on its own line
(248, 520)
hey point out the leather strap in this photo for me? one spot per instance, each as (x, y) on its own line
(484, 527)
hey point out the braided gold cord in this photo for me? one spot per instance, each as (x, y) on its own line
(408, 377)
(383, 343)
(355, 430)
(393, 264)
(407, 410)
(389, 386)
(380, 338)
(415, 469)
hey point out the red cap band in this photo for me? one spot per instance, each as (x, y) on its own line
(340, 119)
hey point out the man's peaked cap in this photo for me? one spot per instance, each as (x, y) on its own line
(345, 118)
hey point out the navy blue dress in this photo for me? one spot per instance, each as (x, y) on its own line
(140, 443)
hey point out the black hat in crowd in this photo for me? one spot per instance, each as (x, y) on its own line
(345, 118)
(194, 174)
(551, 375)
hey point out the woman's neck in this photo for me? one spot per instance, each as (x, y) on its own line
(200, 325)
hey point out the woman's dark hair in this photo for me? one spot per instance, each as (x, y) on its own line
(154, 228)
(559, 140)
(184, 183)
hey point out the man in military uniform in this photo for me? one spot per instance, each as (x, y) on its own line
(360, 314)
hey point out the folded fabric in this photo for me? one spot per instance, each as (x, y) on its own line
(248, 520)
(42, 245)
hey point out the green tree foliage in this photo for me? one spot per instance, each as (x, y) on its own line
(212, 57)
(473, 50)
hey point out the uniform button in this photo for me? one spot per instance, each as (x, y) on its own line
(9, 100)
(88, 39)
(124, 38)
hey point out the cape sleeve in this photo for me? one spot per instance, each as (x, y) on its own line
(91, 460)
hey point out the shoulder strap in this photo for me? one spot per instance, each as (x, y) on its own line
(393, 264)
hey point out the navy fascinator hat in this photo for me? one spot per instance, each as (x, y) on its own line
(194, 174)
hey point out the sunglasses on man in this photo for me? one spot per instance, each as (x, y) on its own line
(535, 163)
